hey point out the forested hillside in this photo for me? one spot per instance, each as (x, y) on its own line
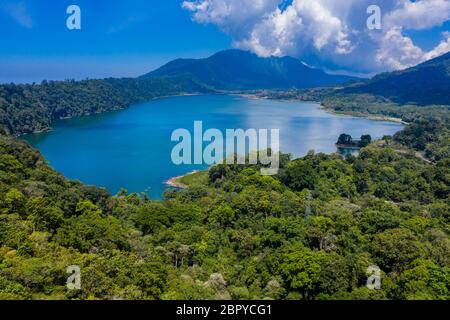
(243, 70)
(27, 108)
(309, 233)
(425, 84)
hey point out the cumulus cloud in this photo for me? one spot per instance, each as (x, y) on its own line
(231, 16)
(419, 15)
(440, 49)
(397, 51)
(330, 33)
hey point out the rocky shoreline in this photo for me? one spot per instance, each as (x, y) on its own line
(176, 183)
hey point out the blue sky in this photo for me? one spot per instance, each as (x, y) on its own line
(129, 38)
(117, 38)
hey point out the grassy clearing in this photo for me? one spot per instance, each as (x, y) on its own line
(194, 178)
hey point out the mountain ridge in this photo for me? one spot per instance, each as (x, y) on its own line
(242, 70)
(27, 108)
(409, 86)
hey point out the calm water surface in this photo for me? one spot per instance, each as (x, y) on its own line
(131, 149)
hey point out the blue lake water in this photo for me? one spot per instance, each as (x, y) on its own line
(132, 148)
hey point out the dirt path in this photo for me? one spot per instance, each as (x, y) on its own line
(418, 155)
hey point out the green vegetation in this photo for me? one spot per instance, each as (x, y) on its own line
(28, 108)
(346, 140)
(384, 92)
(309, 233)
(408, 86)
(365, 140)
(428, 130)
(198, 178)
(243, 70)
(403, 95)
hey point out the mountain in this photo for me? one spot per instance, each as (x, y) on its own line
(425, 84)
(240, 70)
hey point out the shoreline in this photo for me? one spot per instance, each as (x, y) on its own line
(362, 115)
(389, 119)
(184, 94)
(256, 96)
(349, 147)
(175, 182)
(369, 117)
(253, 96)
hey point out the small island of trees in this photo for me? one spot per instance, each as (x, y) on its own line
(346, 141)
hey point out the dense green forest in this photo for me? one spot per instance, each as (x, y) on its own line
(400, 88)
(27, 108)
(310, 232)
(428, 129)
(408, 86)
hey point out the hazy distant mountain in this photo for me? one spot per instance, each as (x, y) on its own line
(425, 84)
(240, 70)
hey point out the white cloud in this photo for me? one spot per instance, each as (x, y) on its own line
(273, 35)
(440, 49)
(333, 33)
(230, 16)
(397, 51)
(419, 15)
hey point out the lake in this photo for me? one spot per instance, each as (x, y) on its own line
(132, 148)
